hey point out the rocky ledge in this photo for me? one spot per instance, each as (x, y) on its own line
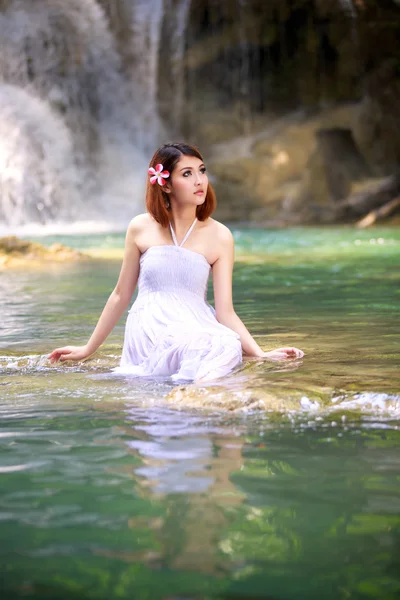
(15, 252)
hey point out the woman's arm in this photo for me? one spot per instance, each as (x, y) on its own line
(222, 282)
(116, 304)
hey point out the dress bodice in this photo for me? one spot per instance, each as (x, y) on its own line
(171, 268)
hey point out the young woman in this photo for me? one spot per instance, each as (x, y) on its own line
(171, 330)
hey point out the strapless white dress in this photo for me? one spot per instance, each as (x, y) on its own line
(171, 330)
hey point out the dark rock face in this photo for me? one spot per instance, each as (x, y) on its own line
(283, 54)
(379, 118)
(251, 62)
(254, 57)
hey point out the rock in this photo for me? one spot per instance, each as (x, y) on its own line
(377, 127)
(279, 171)
(12, 244)
(334, 168)
(16, 252)
(370, 197)
(298, 170)
(342, 160)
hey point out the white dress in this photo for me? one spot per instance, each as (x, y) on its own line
(171, 330)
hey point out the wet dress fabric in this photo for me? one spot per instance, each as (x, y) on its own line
(171, 330)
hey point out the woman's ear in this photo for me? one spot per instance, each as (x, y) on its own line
(166, 188)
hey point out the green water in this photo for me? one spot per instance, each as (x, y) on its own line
(281, 481)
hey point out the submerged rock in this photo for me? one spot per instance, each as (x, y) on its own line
(235, 400)
(17, 252)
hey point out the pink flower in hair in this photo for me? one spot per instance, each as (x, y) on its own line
(158, 175)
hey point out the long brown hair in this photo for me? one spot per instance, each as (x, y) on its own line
(157, 200)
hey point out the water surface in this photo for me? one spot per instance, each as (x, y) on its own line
(280, 481)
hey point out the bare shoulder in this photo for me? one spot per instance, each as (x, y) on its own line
(140, 223)
(219, 241)
(221, 232)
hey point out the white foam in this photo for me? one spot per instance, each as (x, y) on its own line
(65, 228)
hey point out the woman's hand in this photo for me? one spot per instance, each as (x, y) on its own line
(283, 353)
(69, 353)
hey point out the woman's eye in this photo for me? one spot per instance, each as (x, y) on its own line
(202, 171)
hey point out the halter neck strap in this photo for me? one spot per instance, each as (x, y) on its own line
(189, 231)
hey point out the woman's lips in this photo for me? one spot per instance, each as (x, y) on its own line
(199, 193)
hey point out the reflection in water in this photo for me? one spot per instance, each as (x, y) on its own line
(149, 500)
(185, 454)
(173, 464)
(253, 501)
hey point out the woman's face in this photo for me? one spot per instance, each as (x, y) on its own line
(189, 181)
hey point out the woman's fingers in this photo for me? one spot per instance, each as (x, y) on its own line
(298, 353)
(282, 353)
(68, 353)
(292, 352)
(59, 354)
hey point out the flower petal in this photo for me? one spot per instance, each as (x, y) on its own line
(159, 168)
(165, 174)
(152, 171)
(153, 179)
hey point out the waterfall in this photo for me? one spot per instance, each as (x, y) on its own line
(177, 61)
(244, 70)
(96, 100)
(63, 53)
(36, 160)
(146, 32)
(61, 56)
(349, 8)
(153, 56)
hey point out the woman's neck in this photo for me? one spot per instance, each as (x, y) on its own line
(181, 219)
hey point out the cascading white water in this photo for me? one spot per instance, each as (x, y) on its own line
(146, 32)
(63, 53)
(62, 56)
(244, 71)
(349, 8)
(66, 86)
(36, 160)
(177, 61)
